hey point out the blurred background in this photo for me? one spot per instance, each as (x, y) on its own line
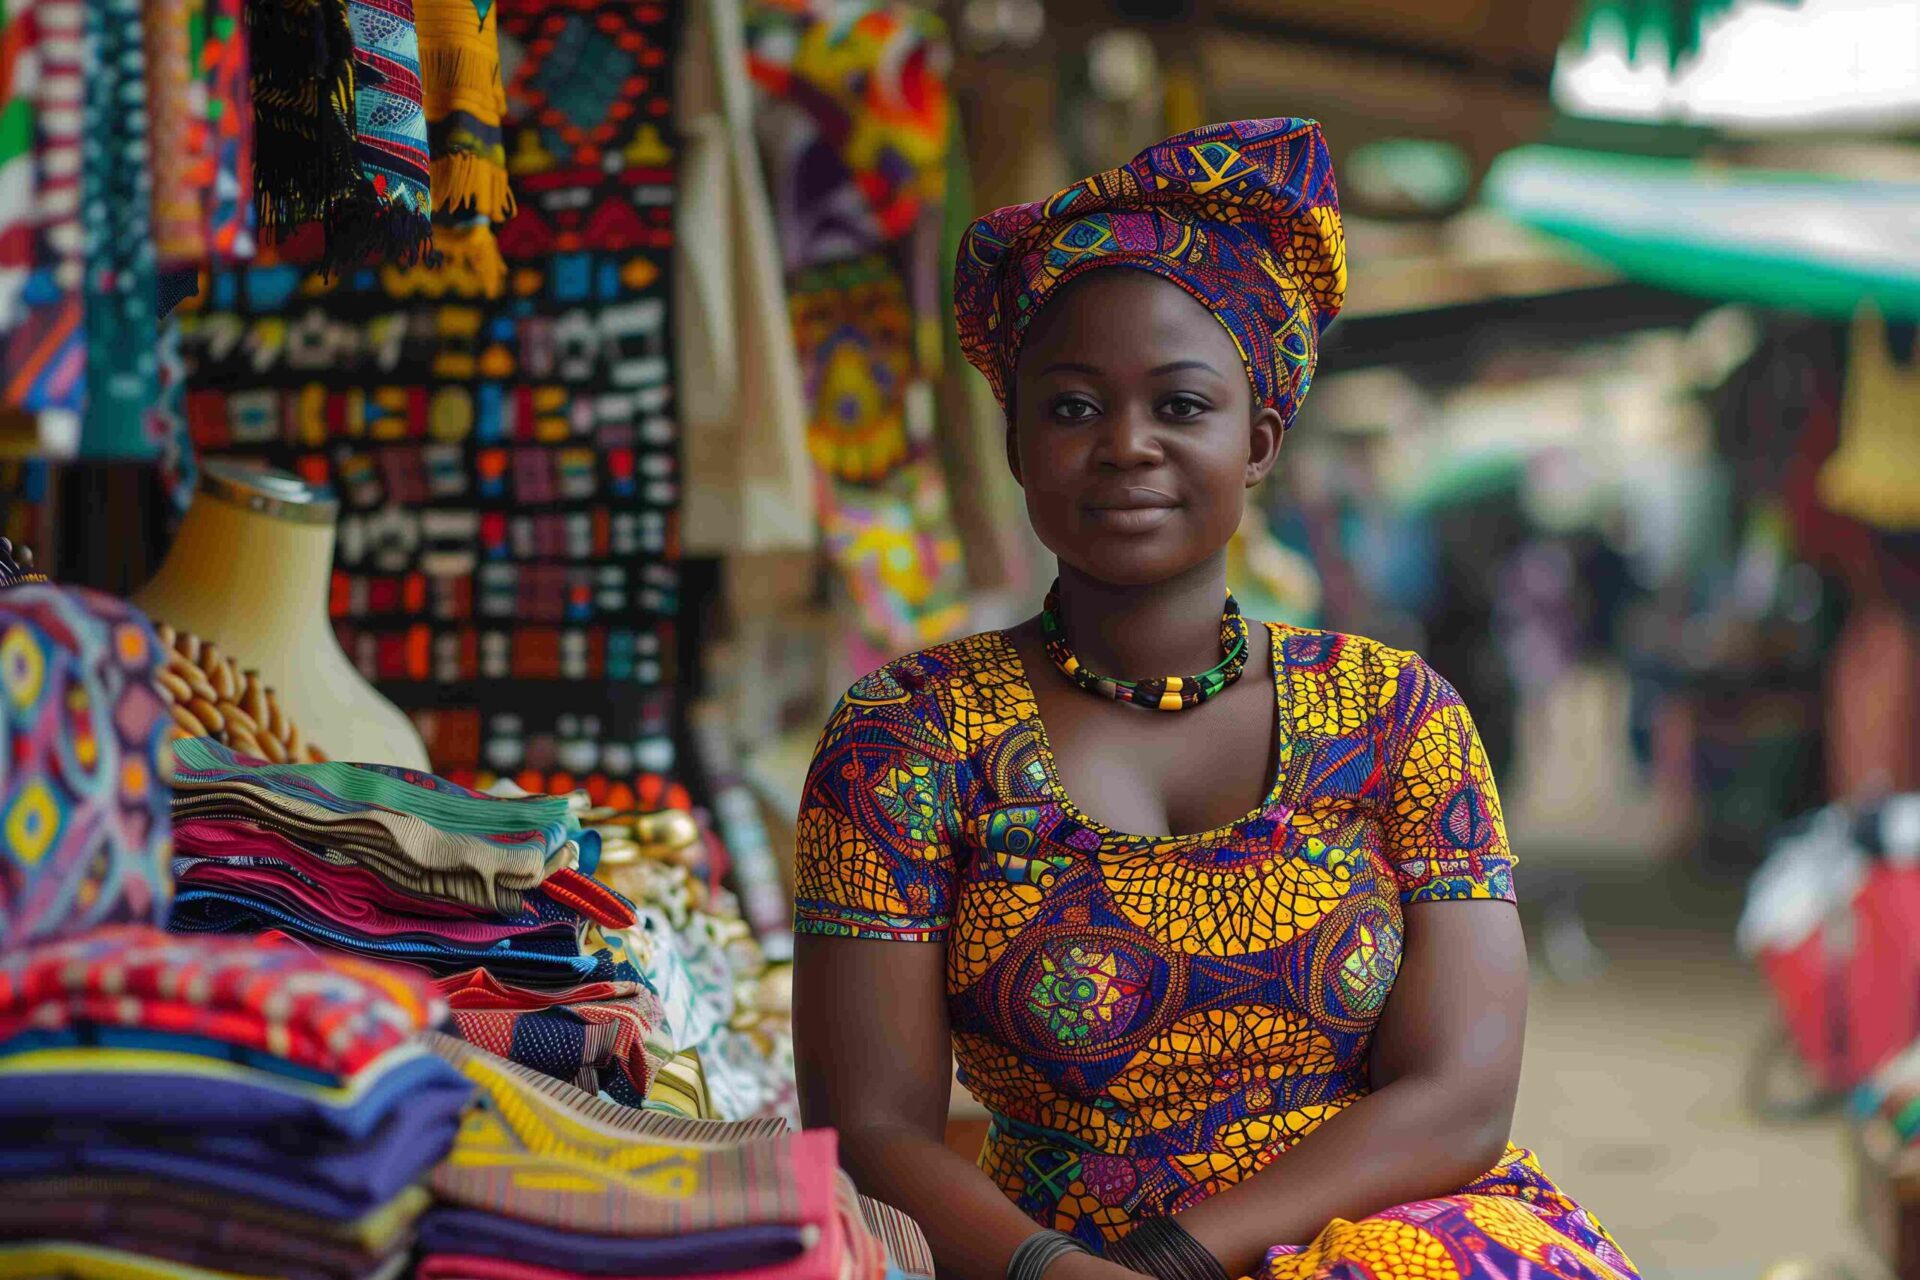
(1620, 428)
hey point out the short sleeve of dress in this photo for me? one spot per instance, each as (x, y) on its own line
(873, 853)
(1444, 833)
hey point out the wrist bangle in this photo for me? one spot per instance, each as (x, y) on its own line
(1162, 1248)
(1039, 1251)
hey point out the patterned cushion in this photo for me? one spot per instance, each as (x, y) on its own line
(83, 801)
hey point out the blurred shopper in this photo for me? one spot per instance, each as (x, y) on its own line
(1281, 1041)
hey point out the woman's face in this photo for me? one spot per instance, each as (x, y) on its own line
(1134, 433)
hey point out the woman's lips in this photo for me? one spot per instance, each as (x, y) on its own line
(1135, 511)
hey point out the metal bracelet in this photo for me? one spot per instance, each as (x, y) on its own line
(1039, 1251)
(1162, 1248)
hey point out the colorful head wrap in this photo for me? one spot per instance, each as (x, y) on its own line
(1243, 216)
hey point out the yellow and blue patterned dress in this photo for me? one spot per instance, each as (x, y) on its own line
(1150, 1019)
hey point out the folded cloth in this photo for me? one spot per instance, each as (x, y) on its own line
(589, 1040)
(535, 1149)
(181, 1092)
(348, 882)
(420, 832)
(375, 1235)
(199, 1237)
(468, 1231)
(286, 886)
(74, 1261)
(336, 1178)
(908, 1254)
(332, 1013)
(218, 911)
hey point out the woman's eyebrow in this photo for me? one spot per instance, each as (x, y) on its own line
(1068, 366)
(1179, 366)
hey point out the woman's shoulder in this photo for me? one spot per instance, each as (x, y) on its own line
(1338, 682)
(947, 692)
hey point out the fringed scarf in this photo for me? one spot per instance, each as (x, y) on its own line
(340, 131)
(466, 102)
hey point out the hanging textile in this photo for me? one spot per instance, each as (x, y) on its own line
(228, 93)
(302, 83)
(1874, 476)
(117, 216)
(854, 126)
(505, 568)
(390, 127)
(177, 134)
(466, 104)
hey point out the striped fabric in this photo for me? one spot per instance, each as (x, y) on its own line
(906, 1245)
(526, 1154)
(610, 1118)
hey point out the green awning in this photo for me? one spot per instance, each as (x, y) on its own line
(1794, 241)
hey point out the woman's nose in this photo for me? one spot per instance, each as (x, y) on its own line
(1129, 441)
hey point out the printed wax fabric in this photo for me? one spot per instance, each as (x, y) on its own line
(599, 1036)
(1243, 216)
(854, 124)
(83, 801)
(1150, 1019)
(330, 1013)
(506, 565)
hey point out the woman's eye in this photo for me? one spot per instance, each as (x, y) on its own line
(1074, 409)
(1182, 407)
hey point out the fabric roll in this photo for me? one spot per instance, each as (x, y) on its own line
(333, 1013)
(83, 804)
(467, 1231)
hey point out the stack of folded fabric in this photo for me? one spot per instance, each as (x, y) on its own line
(485, 893)
(548, 1183)
(170, 1104)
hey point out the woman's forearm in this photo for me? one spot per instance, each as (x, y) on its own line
(1415, 1138)
(972, 1227)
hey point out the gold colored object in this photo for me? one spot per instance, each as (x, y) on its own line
(210, 697)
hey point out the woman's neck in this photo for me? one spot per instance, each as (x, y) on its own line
(1134, 633)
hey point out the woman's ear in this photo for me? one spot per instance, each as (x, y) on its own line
(1266, 433)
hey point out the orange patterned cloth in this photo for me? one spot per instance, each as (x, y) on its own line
(1150, 1019)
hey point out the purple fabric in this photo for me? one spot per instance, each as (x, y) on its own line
(425, 1086)
(336, 1179)
(469, 1231)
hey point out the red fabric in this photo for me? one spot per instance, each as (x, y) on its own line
(1850, 993)
(591, 899)
(332, 1012)
(479, 989)
(822, 1262)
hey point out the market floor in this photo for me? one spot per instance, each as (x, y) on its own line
(1633, 1086)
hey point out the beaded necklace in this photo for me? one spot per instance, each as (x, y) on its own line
(1161, 693)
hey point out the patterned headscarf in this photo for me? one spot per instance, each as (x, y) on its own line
(1243, 216)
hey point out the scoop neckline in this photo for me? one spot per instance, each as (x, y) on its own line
(1057, 787)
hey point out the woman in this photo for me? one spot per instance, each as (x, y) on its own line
(1233, 962)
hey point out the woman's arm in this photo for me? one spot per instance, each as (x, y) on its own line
(874, 1060)
(1445, 1070)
